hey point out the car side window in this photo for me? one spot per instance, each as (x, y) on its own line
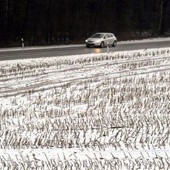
(106, 36)
(110, 35)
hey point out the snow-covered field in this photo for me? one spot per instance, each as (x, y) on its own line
(94, 111)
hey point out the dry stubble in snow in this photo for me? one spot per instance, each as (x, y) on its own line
(104, 111)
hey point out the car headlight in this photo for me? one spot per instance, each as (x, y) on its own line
(86, 41)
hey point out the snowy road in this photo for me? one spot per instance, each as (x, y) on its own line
(50, 51)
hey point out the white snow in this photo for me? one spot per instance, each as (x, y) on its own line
(159, 39)
(93, 111)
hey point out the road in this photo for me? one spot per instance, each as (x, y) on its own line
(53, 51)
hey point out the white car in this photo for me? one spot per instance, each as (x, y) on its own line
(101, 39)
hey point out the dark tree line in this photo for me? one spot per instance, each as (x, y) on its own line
(63, 21)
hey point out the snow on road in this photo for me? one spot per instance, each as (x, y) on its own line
(159, 39)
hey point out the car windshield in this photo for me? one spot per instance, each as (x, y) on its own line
(97, 35)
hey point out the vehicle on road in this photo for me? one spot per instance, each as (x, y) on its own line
(101, 39)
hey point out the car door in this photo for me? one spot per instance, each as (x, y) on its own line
(111, 39)
(106, 39)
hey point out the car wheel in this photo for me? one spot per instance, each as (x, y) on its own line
(88, 46)
(114, 44)
(102, 44)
